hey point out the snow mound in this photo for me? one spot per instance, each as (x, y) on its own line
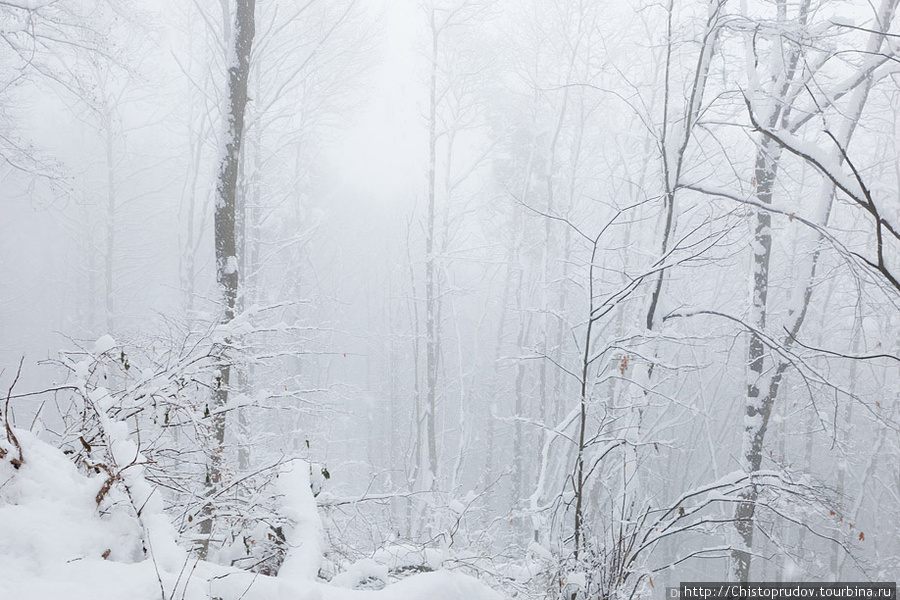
(304, 532)
(104, 344)
(54, 543)
(52, 536)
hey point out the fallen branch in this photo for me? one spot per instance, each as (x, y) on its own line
(16, 462)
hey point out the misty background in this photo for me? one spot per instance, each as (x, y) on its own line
(585, 297)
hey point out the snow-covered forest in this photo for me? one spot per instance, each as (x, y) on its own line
(453, 299)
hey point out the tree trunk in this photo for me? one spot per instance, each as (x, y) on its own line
(227, 275)
(431, 301)
(110, 220)
(758, 409)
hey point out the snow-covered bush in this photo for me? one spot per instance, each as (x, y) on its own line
(137, 415)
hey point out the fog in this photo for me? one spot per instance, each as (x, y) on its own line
(547, 298)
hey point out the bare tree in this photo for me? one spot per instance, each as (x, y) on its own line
(775, 113)
(445, 120)
(227, 275)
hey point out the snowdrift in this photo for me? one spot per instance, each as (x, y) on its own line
(55, 544)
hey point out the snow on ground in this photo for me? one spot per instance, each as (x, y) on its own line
(55, 544)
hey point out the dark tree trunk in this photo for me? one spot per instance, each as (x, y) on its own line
(227, 275)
